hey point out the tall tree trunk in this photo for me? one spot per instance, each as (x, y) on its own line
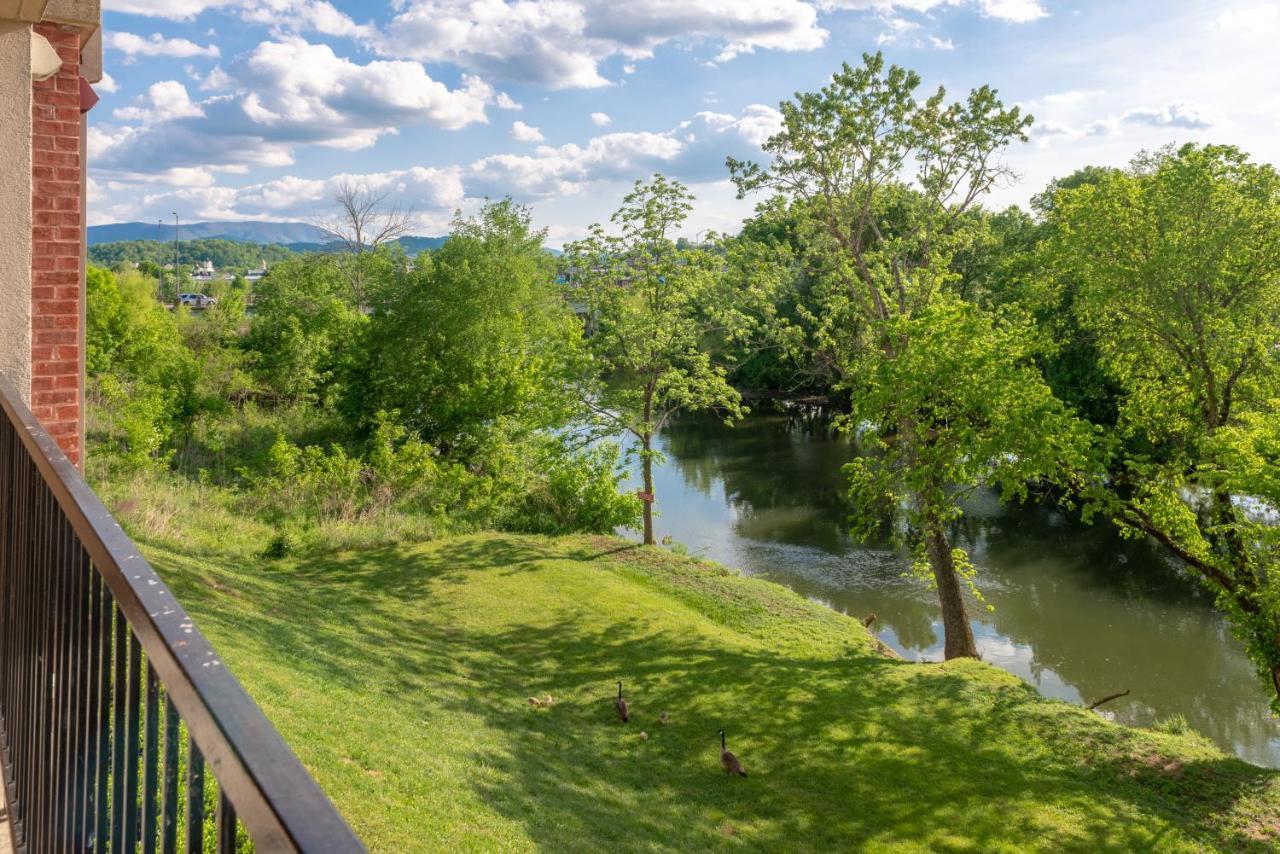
(958, 635)
(646, 467)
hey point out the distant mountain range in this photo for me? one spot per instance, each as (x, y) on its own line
(298, 236)
(242, 232)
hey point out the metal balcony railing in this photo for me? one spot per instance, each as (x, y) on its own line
(120, 727)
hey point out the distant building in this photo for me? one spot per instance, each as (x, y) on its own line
(204, 272)
(257, 272)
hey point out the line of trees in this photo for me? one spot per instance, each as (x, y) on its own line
(1115, 350)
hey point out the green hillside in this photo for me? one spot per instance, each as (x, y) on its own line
(401, 676)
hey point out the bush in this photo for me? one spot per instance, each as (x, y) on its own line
(1173, 725)
(282, 544)
(577, 491)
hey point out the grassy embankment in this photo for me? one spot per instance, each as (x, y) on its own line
(400, 677)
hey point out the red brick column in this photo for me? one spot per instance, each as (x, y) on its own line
(57, 292)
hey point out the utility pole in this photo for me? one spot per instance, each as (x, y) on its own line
(176, 299)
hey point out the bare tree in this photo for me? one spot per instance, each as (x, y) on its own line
(362, 221)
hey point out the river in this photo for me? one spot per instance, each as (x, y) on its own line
(1079, 612)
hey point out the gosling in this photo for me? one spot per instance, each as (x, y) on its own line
(728, 761)
(621, 705)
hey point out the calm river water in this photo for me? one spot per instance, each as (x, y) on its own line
(1079, 612)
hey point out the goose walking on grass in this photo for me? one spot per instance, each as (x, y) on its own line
(728, 761)
(621, 705)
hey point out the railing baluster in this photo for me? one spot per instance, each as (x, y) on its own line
(119, 687)
(169, 800)
(195, 799)
(61, 677)
(150, 757)
(71, 787)
(44, 677)
(6, 590)
(31, 659)
(90, 740)
(131, 746)
(58, 688)
(226, 824)
(89, 779)
(102, 823)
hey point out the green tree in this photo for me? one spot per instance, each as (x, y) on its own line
(476, 337)
(655, 311)
(1177, 266)
(887, 185)
(304, 328)
(136, 360)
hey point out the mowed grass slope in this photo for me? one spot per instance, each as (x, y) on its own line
(400, 676)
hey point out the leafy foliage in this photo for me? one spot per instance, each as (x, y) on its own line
(945, 392)
(136, 360)
(224, 254)
(655, 310)
(303, 325)
(475, 336)
(1178, 271)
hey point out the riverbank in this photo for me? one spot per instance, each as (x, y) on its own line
(401, 676)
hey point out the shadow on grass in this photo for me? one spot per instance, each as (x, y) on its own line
(845, 751)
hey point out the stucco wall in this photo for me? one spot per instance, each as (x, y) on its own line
(15, 204)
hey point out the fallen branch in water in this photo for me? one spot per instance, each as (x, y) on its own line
(1109, 698)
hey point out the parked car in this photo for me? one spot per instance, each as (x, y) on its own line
(197, 300)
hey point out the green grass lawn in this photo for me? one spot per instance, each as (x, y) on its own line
(400, 676)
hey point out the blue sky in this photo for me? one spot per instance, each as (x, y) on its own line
(255, 109)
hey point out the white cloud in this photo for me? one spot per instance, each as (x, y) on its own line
(525, 133)
(561, 43)
(156, 45)
(164, 101)
(1181, 114)
(1070, 97)
(216, 80)
(693, 151)
(107, 84)
(281, 95)
(601, 119)
(177, 10)
(1016, 11)
(295, 16)
(506, 102)
(942, 44)
(293, 82)
(1251, 19)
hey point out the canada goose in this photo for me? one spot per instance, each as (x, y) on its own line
(868, 620)
(729, 761)
(621, 706)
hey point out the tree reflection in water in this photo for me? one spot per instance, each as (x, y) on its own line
(1079, 611)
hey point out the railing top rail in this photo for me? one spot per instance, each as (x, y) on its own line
(275, 797)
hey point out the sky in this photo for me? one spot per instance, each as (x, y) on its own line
(259, 109)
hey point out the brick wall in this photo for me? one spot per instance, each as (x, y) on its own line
(57, 292)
